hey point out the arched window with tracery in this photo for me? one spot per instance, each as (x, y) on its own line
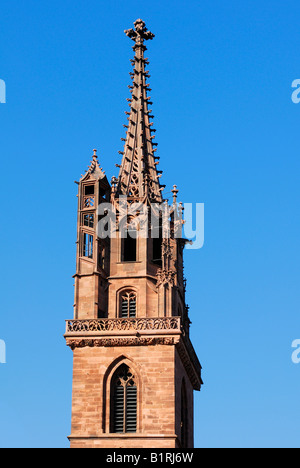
(123, 401)
(128, 305)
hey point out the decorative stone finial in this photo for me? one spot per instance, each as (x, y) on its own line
(140, 33)
(114, 182)
(175, 192)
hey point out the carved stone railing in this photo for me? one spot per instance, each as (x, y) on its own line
(95, 326)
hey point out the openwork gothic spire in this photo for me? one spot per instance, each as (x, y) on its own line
(139, 177)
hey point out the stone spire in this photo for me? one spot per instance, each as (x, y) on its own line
(139, 177)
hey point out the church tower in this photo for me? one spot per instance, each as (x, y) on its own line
(134, 367)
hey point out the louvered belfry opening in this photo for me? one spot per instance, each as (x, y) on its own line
(123, 401)
(128, 305)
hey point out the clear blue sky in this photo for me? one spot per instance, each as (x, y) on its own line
(228, 135)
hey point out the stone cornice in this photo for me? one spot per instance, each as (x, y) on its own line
(115, 342)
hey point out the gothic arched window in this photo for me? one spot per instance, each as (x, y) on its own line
(129, 246)
(157, 243)
(88, 245)
(123, 401)
(128, 305)
(129, 236)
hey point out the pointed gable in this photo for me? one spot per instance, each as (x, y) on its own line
(94, 171)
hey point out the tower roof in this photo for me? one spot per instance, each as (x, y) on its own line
(94, 171)
(139, 177)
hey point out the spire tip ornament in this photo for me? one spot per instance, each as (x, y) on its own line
(140, 33)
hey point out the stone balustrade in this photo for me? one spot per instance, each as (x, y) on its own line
(96, 326)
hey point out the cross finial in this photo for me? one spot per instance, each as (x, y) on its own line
(140, 33)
